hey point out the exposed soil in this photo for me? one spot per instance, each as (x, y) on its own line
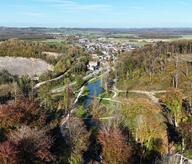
(24, 66)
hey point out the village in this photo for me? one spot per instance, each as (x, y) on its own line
(102, 50)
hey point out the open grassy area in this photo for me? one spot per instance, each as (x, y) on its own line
(129, 38)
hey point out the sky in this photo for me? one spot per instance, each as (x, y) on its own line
(96, 13)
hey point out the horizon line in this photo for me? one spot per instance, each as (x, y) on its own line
(65, 27)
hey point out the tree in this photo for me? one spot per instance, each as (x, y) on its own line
(23, 111)
(33, 145)
(173, 100)
(8, 152)
(146, 124)
(67, 98)
(114, 147)
(45, 97)
(79, 81)
(25, 85)
(76, 137)
(186, 131)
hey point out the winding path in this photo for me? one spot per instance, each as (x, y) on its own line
(61, 89)
(150, 94)
(88, 77)
(66, 118)
(38, 85)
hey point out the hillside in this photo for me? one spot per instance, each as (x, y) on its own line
(134, 108)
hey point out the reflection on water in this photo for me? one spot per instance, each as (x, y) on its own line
(95, 89)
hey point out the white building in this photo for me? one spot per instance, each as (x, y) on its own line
(93, 65)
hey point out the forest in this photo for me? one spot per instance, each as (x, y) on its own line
(148, 120)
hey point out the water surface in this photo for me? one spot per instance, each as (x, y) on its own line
(95, 89)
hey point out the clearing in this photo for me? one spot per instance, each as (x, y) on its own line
(24, 66)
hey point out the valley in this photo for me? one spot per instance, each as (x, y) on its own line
(81, 99)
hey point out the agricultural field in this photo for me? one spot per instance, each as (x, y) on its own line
(133, 39)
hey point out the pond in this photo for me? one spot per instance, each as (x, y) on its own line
(94, 89)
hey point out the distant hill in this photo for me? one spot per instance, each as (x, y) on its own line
(48, 33)
(23, 33)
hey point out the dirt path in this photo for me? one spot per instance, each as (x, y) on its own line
(92, 75)
(149, 94)
(38, 85)
(65, 119)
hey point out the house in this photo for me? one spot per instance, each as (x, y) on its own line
(93, 65)
(94, 56)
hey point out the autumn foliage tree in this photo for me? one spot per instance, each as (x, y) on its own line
(186, 131)
(32, 144)
(26, 145)
(8, 152)
(23, 111)
(146, 124)
(25, 141)
(114, 147)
